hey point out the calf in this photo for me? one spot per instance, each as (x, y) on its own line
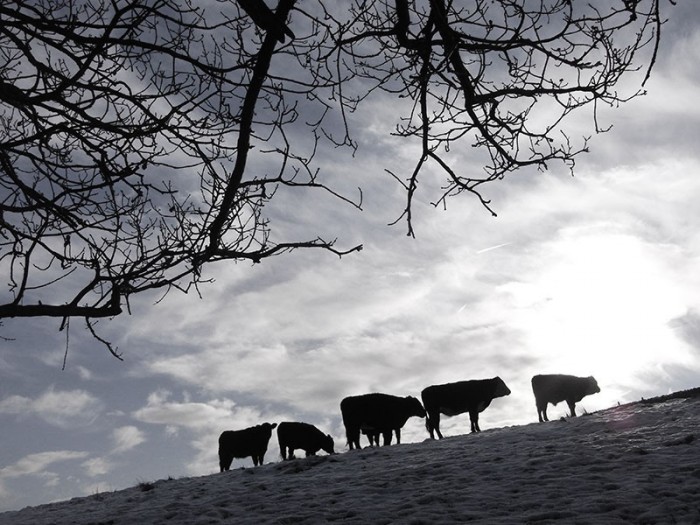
(250, 441)
(377, 414)
(554, 388)
(304, 436)
(373, 436)
(456, 398)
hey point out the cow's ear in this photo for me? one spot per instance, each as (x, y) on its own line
(273, 425)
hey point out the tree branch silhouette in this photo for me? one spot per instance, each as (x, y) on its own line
(141, 141)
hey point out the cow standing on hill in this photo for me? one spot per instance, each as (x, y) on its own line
(377, 414)
(471, 396)
(250, 441)
(554, 388)
(304, 436)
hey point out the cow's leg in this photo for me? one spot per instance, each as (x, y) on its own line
(348, 437)
(432, 423)
(283, 451)
(398, 436)
(260, 458)
(572, 407)
(474, 419)
(291, 453)
(356, 439)
(353, 436)
(225, 460)
(429, 428)
(372, 437)
(387, 438)
(542, 412)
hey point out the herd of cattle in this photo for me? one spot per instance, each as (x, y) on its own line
(385, 415)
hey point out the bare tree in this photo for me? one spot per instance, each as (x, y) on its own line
(141, 140)
(501, 76)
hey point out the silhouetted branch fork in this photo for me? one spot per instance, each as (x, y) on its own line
(266, 19)
(260, 72)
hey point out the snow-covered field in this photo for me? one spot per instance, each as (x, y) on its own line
(638, 463)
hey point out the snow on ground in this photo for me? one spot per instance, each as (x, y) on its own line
(638, 463)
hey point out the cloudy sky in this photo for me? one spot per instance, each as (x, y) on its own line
(591, 275)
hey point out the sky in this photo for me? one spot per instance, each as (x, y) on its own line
(594, 274)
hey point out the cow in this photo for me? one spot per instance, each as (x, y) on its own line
(553, 388)
(471, 396)
(293, 435)
(250, 441)
(378, 414)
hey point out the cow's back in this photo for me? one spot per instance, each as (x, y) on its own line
(368, 409)
(379, 411)
(449, 398)
(297, 433)
(236, 441)
(458, 397)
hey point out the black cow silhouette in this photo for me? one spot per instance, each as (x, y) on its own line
(250, 441)
(378, 414)
(293, 435)
(554, 388)
(450, 399)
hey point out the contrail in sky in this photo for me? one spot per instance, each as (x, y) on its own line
(493, 247)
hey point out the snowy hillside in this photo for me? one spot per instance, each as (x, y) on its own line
(638, 463)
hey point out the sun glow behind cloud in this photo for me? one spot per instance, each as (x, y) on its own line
(601, 304)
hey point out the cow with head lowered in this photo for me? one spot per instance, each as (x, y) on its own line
(450, 399)
(377, 414)
(294, 435)
(250, 441)
(554, 388)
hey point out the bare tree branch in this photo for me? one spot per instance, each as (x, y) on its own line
(142, 140)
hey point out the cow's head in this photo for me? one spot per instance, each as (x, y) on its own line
(415, 407)
(591, 386)
(267, 428)
(327, 444)
(501, 388)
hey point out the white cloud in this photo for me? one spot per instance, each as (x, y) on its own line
(95, 467)
(64, 409)
(213, 415)
(84, 373)
(127, 437)
(39, 462)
